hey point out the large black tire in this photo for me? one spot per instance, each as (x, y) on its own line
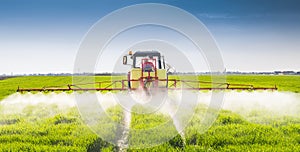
(128, 80)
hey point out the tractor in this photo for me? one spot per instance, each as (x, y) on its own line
(148, 69)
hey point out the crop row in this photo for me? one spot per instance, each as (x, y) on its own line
(61, 132)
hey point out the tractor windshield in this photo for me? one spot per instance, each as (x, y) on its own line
(138, 61)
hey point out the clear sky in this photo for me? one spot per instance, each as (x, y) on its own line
(43, 36)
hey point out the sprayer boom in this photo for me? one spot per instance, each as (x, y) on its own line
(172, 84)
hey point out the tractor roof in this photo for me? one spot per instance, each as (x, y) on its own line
(146, 53)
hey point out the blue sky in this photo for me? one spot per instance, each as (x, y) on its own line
(44, 36)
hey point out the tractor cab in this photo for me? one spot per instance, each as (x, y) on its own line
(148, 58)
(147, 68)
